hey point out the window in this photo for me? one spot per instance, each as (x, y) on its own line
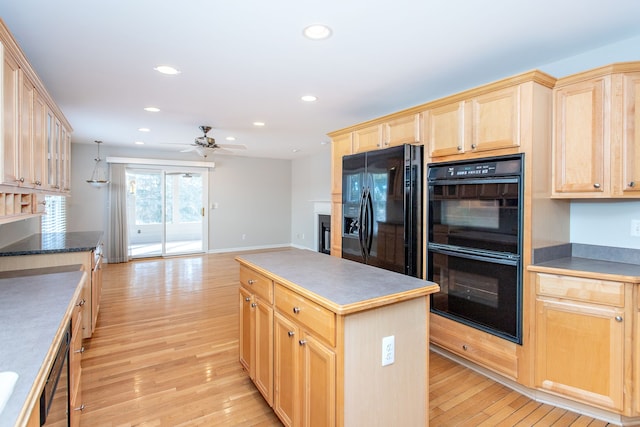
(55, 218)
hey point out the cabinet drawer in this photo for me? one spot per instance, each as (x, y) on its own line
(581, 289)
(307, 313)
(257, 283)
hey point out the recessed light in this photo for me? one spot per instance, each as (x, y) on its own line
(230, 138)
(295, 150)
(165, 69)
(139, 142)
(317, 32)
(258, 123)
(144, 129)
(309, 98)
(152, 109)
(324, 143)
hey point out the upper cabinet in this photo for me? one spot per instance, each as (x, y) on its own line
(596, 139)
(484, 119)
(36, 137)
(396, 131)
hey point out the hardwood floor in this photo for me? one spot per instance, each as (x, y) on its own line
(165, 353)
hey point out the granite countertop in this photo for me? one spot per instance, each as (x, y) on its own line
(34, 310)
(48, 243)
(340, 285)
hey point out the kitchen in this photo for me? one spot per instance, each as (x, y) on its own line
(298, 220)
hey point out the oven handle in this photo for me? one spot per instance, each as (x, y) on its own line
(465, 181)
(504, 258)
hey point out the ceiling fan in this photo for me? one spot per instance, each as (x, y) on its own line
(203, 144)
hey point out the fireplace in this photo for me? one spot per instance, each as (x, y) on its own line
(324, 234)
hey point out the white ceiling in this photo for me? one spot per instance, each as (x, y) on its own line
(246, 60)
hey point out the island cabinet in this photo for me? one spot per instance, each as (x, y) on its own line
(256, 326)
(596, 138)
(329, 320)
(583, 328)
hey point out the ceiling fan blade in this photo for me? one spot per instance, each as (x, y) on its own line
(233, 146)
(186, 150)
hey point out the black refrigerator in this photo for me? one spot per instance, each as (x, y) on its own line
(382, 208)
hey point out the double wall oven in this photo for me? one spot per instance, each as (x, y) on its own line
(474, 244)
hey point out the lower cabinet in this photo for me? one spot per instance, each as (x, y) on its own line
(75, 369)
(305, 377)
(581, 329)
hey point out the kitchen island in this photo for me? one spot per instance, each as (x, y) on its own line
(335, 341)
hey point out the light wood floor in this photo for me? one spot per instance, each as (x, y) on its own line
(165, 353)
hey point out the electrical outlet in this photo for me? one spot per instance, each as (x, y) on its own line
(388, 350)
(635, 227)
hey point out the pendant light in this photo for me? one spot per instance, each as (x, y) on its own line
(100, 173)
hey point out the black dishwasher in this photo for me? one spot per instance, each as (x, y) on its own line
(54, 401)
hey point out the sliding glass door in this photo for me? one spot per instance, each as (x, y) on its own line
(166, 212)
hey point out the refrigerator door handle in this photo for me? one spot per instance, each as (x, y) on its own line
(369, 220)
(361, 222)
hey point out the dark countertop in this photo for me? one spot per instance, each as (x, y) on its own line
(34, 310)
(340, 285)
(581, 267)
(49, 243)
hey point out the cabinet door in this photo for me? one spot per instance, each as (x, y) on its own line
(445, 129)
(39, 141)
(340, 147)
(403, 130)
(496, 120)
(10, 112)
(263, 378)
(318, 383)
(367, 139)
(579, 148)
(631, 134)
(246, 332)
(286, 397)
(580, 351)
(96, 290)
(25, 149)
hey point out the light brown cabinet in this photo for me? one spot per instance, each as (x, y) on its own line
(340, 146)
(367, 139)
(596, 139)
(484, 122)
(581, 330)
(75, 367)
(256, 325)
(36, 138)
(305, 390)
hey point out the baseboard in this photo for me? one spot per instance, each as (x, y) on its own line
(539, 395)
(249, 248)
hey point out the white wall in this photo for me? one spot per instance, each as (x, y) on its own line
(310, 182)
(253, 195)
(605, 223)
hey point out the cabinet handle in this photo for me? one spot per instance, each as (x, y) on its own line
(474, 146)
(81, 302)
(596, 185)
(618, 318)
(81, 350)
(251, 281)
(296, 310)
(37, 183)
(21, 180)
(247, 299)
(459, 147)
(632, 184)
(464, 347)
(302, 342)
(80, 408)
(290, 333)
(254, 305)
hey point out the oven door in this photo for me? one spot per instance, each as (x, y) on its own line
(476, 213)
(477, 288)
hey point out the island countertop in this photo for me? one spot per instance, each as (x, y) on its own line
(48, 243)
(340, 285)
(34, 312)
